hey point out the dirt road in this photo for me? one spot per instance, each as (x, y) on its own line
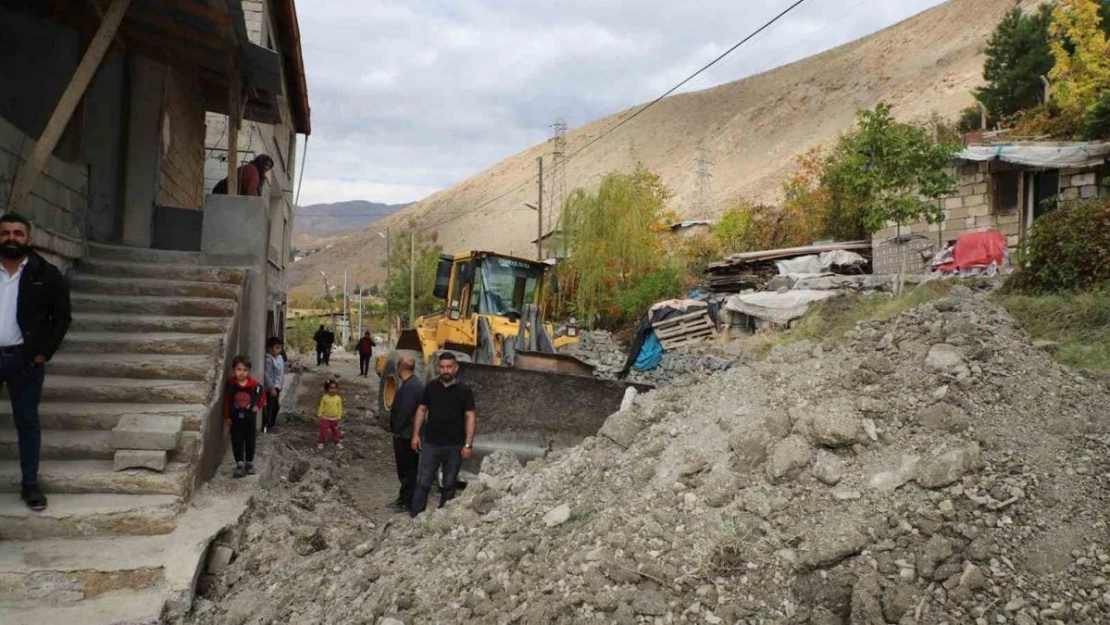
(368, 475)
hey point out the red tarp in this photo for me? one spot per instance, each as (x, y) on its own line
(976, 249)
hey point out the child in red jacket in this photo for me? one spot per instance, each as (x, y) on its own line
(244, 398)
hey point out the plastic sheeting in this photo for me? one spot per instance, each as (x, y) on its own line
(1073, 155)
(815, 264)
(651, 354)
(976, 249)
(777, 308)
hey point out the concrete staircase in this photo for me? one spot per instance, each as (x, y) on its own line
(132, 386)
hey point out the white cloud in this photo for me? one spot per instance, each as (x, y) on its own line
(412, 96)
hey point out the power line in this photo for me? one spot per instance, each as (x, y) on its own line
(634, 115)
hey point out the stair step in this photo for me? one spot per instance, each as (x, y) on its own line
(161, 271)
(104, 416)
(123, 253)
(97, 514)
(115, 322)
(88, 283)
(123, 390)
(140, 366)
(72, 569)
(97, 476)
(142, 343)
(149, 305)
(86, 445)
(116, 608)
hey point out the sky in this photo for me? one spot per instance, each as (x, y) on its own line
(412, 96)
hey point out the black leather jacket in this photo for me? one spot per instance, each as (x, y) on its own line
(43, 311)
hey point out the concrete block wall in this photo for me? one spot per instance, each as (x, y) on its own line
(1084, 184)
(59, 198)
(181, 183)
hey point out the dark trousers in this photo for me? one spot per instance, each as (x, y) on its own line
(321, 355)
(408, 461)
(24, 382)
(242, 439)
(432, 457)
(363, 364)
(273, 405)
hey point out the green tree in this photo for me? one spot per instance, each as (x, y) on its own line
(1081, 49)
(885, 171)
(616, 238)
(396, 290)
(1018, 54)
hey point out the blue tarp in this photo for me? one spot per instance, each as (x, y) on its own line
(651, 354)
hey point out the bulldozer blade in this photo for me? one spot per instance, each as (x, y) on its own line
(531, 412)
(552, 363)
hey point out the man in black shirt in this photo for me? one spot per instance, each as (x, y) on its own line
(401, 417)
(446, 414)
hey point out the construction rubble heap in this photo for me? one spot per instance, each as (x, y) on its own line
(933, 468)
(678, 366)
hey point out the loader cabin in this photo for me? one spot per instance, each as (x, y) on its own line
(488, 284)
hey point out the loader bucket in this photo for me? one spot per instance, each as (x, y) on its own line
(531, 412)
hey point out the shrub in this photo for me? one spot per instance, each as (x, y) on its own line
(662, 284)
(1069, 250)
(1096, 121)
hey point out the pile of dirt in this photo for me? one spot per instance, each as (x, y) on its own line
(933, 468)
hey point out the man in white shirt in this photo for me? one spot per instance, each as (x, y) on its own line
(34, 318)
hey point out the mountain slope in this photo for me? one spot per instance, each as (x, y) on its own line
(315, 223)
(754, 128)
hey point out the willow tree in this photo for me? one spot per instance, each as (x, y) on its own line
(615, 238)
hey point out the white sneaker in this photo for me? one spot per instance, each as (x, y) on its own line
(320, 446)
(339, 445)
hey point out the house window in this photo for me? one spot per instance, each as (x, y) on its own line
(1006, 191)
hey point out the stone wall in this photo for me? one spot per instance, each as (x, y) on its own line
(59, 197)
(181, 181)
(973, 208)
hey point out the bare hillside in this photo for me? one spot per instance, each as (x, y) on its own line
(754, 127)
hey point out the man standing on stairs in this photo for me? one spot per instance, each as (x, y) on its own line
(34, 318)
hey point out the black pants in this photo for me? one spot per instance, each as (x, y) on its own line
(242, 439)
(273, 405)
(407, 463)
(432, 457)
(321, 355)
(24, 382)
(363, 364)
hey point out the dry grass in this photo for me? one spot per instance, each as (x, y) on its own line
(1079, 324)
(832, 319)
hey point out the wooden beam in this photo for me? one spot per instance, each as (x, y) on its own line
(235, 108)
(71, 97)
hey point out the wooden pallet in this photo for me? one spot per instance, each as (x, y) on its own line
(685, 330)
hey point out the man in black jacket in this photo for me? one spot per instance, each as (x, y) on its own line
(34, 318)
(401, 417)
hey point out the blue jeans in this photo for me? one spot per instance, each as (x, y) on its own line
(433, 456)
(24, 380)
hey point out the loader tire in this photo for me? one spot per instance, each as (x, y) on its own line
(389, 381)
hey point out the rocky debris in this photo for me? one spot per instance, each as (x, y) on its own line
(600, 349)
(758, 495)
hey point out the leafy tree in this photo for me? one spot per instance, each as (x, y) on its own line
(885, 171)
(1018, 54)
(1082, 54)
(616, 236)
(396, 290)
(1096, 121)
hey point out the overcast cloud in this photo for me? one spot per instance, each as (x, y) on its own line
(412, 96)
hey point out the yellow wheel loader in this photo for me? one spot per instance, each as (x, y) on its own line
(530, 399)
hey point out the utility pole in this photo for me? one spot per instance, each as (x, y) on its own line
(558, 176)
(412, 277)
(704, 165)
(360, 312)
(539, 213)
(388, 262)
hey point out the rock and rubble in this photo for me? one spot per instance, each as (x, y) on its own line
(873, 480)
(600, 349)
